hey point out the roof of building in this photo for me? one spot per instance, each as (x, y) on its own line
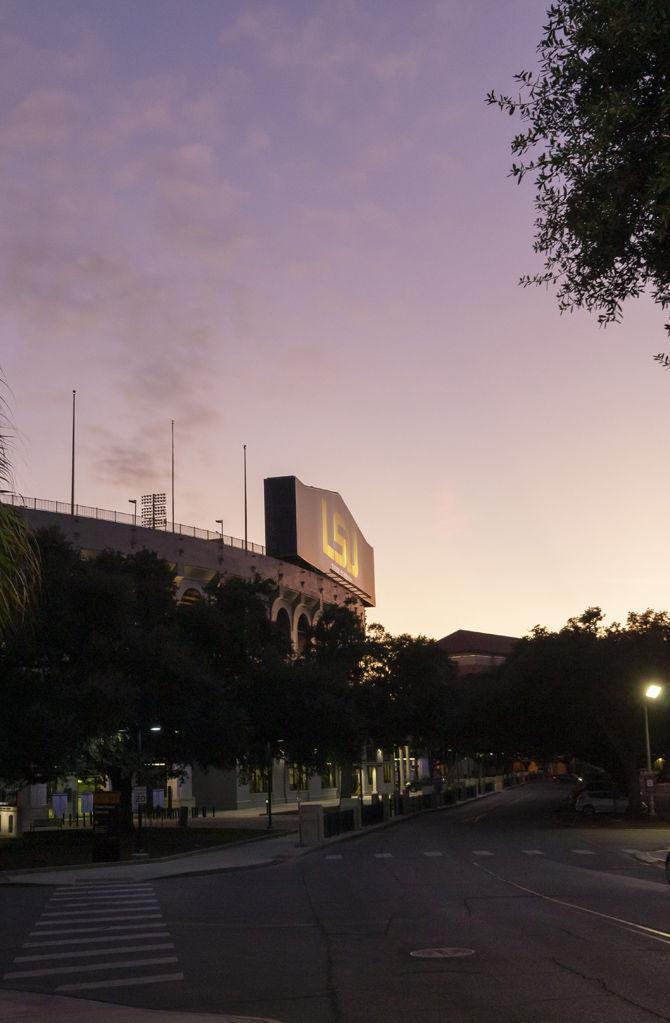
(463, 641)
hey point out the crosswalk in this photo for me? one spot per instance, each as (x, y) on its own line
(96, 935)
(642, 856)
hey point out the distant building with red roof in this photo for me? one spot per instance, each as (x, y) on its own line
(477, 651)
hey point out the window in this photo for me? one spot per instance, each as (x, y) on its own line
(258, 780)
(303, 633)
(329, 777)
(388, 771)
(371, 776)
(297, 777)
(284, 625)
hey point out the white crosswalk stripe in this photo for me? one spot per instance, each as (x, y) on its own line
(89, 968)
(103, 928)
(134, 916)
(481, 852)
(125, 982)
(433, 852)
(334, 856)
(533, 852)
(89, 941)
(383, 856)
(583, 852)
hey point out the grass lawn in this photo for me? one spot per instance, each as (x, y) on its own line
(61, 848)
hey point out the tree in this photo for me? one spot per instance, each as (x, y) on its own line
(325, 715)
(102, 659)
(19, 560)
(597, 137)
(416, 695)
(578, 691)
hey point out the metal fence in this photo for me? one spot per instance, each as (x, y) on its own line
(84, 511)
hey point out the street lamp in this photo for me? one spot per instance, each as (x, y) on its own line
(219, 522)
(270, 765)
(133, 501)
(140, 843)
(652, 692)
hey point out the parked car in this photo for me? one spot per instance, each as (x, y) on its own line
(567, 778)
(600, 801)
(590, 785)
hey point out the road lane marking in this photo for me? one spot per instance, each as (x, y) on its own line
(383, 856)
(92, 968)
(93, 913)
(160, 978)
(533, 852)
(96, 900)
(117, 886)
(334, 856)
(481, 852)
(433, 852)
(135, 916)
(92, 930)
(62, 916)
(73, 937)
(89, 941)
(93, 952)
(630, 925)
(583, 852)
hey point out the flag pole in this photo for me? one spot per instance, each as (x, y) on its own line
(74, 403)
(173, 475)
(245, 498)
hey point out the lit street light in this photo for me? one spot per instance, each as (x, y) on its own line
(140, 801)
(652, 692)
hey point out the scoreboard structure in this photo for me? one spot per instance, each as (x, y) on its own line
(315, 529)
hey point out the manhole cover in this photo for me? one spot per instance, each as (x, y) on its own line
(442, 953)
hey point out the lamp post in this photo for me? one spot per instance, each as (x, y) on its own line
(133, 501)
(270, 763)
(652, 692)
(140, 843)
(219, 522)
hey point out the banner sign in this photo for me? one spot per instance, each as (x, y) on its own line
(59, 803)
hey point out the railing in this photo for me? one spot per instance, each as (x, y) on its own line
(83, 511)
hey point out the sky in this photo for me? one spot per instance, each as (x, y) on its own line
(290, 225)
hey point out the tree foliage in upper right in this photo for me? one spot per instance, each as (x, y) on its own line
(597, 137)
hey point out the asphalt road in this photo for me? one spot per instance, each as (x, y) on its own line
(540, 922)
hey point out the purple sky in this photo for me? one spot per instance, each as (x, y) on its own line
(289, 225)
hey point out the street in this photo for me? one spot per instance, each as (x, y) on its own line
(536, 920)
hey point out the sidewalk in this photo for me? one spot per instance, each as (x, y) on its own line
(24, 1007)
(260, 853)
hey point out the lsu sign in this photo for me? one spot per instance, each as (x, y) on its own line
(315, 528)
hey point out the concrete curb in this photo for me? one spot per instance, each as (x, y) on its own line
(27, 872)
(30, 1007)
